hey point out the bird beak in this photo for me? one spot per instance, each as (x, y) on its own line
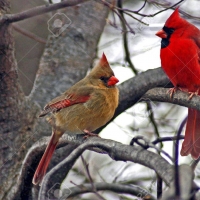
(161, 34)
(112, 81)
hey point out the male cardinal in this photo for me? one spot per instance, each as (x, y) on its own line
(180, 59)
(86, 106)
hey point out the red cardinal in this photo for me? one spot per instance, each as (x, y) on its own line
(83, 108)
(180, 59)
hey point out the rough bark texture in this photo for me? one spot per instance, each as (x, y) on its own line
(66, 60)
(15, 121)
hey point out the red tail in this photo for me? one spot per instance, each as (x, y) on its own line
(45, 160)
(191, 144)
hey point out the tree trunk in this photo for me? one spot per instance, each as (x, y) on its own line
(66, 60)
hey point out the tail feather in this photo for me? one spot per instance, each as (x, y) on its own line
(45, 160)
(191, 144)
(197, 132)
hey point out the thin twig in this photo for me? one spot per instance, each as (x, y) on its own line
(147, 145)
(114, 187)
(125, 41)
(142, 6)
(28, 34)
(86, 165)
(10, 18)
(137, 12)
(166, 139)
(153, 122)
(166, 9)
(159, 187)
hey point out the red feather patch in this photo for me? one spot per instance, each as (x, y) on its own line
(104, 61)
(63, 104)
(67, 102)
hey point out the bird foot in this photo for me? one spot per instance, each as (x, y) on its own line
(193, 94)
(89, 134)
(171, 91)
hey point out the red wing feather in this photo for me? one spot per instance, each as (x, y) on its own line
(58, 105)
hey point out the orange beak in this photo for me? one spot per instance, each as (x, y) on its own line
(112, 81)
(161, 34)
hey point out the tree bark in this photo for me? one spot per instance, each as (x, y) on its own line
(66, 60)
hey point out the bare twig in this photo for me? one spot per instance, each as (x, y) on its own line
(166, 139)
(9, 18)
(166, 8)
(125, 41)
(142, 6)
(125, 10)
(186, 185)
(86, 165)
(147, 145)
(115, 187)
(28, 34)
(159, 187)
(153, 122)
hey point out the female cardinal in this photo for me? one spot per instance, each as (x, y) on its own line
(83, 108)
(180, 59)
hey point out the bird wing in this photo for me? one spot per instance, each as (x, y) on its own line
(195, 35)
(67, 99)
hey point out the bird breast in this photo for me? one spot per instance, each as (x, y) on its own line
(94, 113)
(180, 62)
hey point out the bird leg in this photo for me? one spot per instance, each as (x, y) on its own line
(171, 91)
(89, 134)
(193, 94)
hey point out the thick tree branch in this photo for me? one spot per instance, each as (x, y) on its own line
(131, 91)
(116, 151)
(186, 183)
(179, 98)
(114, 187)
(9, 18)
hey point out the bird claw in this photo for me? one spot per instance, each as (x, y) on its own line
(193, 94)
(171, 91)
(89, 134)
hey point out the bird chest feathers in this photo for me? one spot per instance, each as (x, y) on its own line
(179, 61)
(90, 115)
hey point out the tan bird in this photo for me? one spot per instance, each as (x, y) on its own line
(83, 108)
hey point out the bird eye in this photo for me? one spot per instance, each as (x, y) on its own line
(169, 31)
(102, 78)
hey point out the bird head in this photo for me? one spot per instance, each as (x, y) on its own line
(102, 75)
(174, 26)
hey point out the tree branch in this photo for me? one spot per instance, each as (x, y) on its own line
(179, 98)
(10, 18)
(114, 187)
(28, 34)
(186, 184)
(116, 151)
